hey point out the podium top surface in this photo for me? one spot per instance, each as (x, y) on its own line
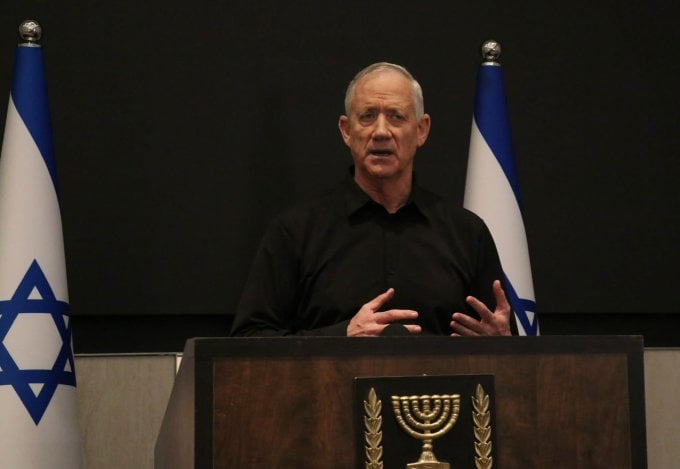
(427, 345)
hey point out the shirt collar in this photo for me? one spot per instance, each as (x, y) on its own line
(356, 198)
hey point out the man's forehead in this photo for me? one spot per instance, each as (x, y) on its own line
(385, 79)
(384, 88)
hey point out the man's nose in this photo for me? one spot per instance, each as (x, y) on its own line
(382, 129)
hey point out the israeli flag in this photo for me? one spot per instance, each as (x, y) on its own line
(492, 192)
(38, 403)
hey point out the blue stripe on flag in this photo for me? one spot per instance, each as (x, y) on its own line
(29, 93)
(520, 306)
(491, 117)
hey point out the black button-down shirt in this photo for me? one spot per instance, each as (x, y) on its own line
(321, 261)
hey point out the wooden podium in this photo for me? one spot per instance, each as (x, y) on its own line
(567, 402)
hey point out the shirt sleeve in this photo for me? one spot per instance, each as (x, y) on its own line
(269, 300)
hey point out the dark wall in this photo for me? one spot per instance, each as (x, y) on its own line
(182, 127)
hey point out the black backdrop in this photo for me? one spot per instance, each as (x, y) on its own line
(182, 127)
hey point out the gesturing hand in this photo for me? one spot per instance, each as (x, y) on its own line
(369, 321)
(490, 323)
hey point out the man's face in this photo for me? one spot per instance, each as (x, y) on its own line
(381, 130)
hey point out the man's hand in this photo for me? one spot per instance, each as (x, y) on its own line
(371, 322)
(490, 323)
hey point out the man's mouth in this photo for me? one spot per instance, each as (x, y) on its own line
(381, 152)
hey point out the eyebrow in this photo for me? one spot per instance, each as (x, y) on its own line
(388, 108)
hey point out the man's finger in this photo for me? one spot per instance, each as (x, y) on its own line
(484, 313)
(393, 315)
(501, 299)
(376, 303)
(467, 323)
(462, 329)
(413, 328)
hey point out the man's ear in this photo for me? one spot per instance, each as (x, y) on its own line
(424, 129)
(343, 125)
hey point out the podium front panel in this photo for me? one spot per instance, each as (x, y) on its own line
(288, 402)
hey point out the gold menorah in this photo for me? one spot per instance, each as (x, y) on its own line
(427, 418)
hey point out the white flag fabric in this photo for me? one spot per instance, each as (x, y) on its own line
(38, 403)
(492, 192)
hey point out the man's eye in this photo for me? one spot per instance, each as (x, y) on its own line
(397, 116)
(367, 117)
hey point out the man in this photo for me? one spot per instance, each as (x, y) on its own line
(377, 250)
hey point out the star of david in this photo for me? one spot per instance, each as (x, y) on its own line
(521, 306)
(24, 301)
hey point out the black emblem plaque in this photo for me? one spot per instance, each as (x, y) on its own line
(425, 422)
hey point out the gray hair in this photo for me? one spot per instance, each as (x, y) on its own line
(382, 67)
